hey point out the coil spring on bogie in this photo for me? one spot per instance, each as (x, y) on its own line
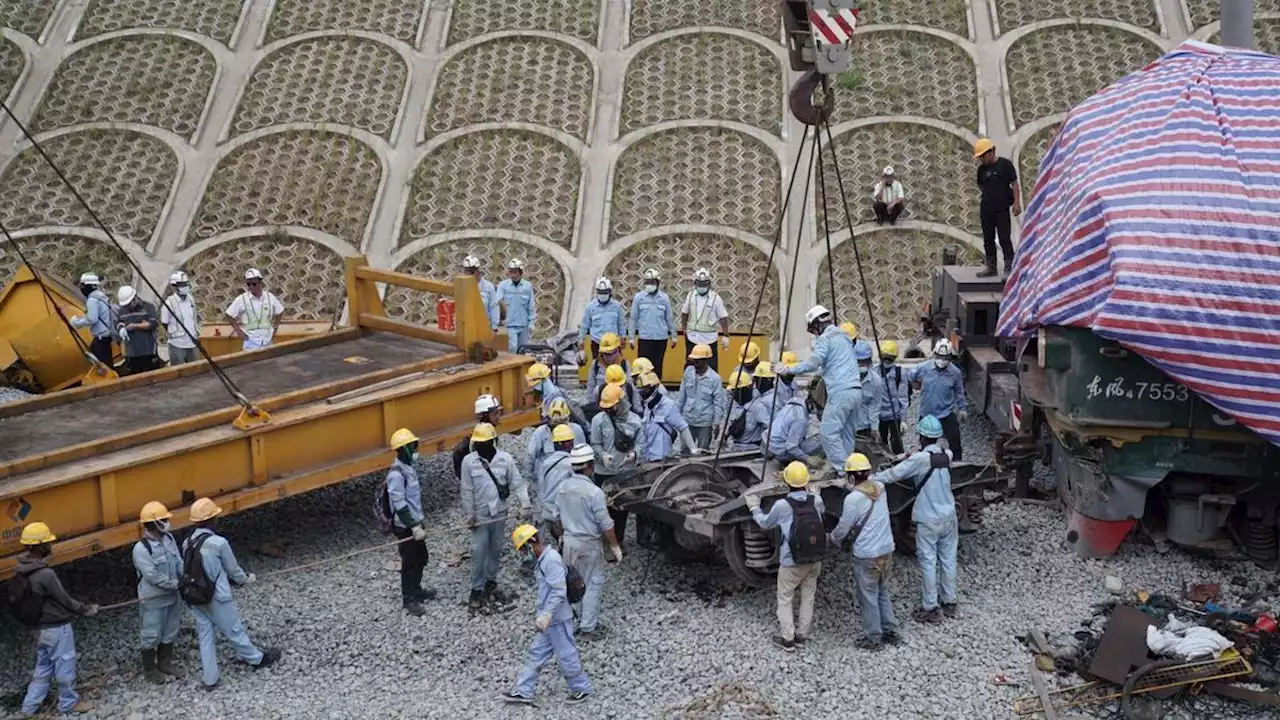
(1262, 541)
(758, 548)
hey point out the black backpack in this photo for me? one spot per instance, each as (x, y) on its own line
(194, 586)
(574, 586)
(382, 506)
(808, 539)
(25, 604)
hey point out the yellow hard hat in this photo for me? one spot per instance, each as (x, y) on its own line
(402, 437)
(764, 370)
(649, 379)
(889, 348)
(983, 146)
(154, 511)
(796, 474)
(37, 533)
(615, 374)
(562, 433)
(522, 534)
(204, 509)
(738, 380)
(700, 352)
(536, 373)
(857, 462)
(484, 432)
(750, 352)
(610, 342)
(849, 329)
(559, 410)
(641, 366)
(789, 358)
(610, 396)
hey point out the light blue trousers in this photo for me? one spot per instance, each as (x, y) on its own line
(556, 640)
(517, 337)
(872, 577)
(586, 555)
(936, 544)
(487, 542)
(839, 426)
(223, 617)
(55, 660)
(159, 621)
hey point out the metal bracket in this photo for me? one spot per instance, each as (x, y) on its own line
(251, 417)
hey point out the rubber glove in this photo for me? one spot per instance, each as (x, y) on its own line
(123, 333)
(607, 460)
(753, 502)
(419, 533)
(251, 579)
(78, 320)
(91, 610)
(724, 343)
(963, 415)
(616, 550)
(686, 438)
(543, 622)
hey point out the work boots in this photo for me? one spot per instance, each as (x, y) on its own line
(476, 600)
(491, 591)
(414, 608)
(164, 660)
(988, 271)
(424, 595)
(149, 670)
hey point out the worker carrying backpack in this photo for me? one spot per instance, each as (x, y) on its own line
(574, 586)
(808, 538)
(382, 506)
(194, 585)
(25, 604)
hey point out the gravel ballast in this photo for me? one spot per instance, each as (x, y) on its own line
(685, 643)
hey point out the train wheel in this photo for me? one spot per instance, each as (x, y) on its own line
(690, 488)
(744, 553)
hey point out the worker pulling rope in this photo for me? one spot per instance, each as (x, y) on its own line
(249, 408)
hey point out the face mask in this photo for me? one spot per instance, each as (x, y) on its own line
(703, 290)
(527, 558)
(164, 525)
(647, 393)
(941, 363)
(183, 291)
(602, 297)
(863, 370)
(413, 457)
(87, 290)
(651, 289)
(887, 362)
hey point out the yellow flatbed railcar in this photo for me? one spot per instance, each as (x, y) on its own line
(85, 460)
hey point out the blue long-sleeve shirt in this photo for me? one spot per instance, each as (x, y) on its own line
(159, 565)
(786, 435)
(521, 310)
(480, 499)
(583, 511)
(604, 432)
(935, 501)
(540, 444)
(662, 423)
(404, 492)
(872, 396)
(876, 535)
(897, 392)
(97, 315)
(702, 399)
(941, 389)
(553, 470)
(219, 563)
(549, 391)
(553, 593)
(596, 382)
(833, 355)
(489, 297)
(652, 317)
(599, 318)
(757, 412)
(781, 515)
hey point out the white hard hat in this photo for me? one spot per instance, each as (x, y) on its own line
(944, 349)
(471, 262)
(485, 403)
(90, 279)
(817, 312)
(888, 170)
(604, 284)
(178, 277)
(252, 274)
(515, 264)
(702, 275)
(125, 295)
(652, 274)
(581, 455)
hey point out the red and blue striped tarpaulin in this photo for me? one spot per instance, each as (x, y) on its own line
(1156, 223)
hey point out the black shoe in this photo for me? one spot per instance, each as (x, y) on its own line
(949, 609)
(270, 657)
(927, 616)
(869, 642)
(164, 660)
(892, 637)
(801, 640)
(515, 697)
(988, 271)
(476, 601)
(491, 591)
(577, 698)
(1008, 269)
(787, 645)
(414, 608)
(424, 594)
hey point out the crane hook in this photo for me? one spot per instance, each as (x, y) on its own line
(800, 99)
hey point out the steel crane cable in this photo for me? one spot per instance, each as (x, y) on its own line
(227, 382)
(777, 238)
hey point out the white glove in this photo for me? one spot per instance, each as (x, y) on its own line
(963, 415)
(419, 533)
(753, 502)
(724, 343)
(697, 451)
(123, 332)
(251, 579)
(77, 320)
(582, 358)
(617, 553)
(607, 460)
(543, 622)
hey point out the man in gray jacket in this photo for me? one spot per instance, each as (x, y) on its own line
(408, 524)
(56, 642)
(136, 327)
(159, 565)
(489, 477)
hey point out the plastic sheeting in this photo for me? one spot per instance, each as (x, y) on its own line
(1156, 223)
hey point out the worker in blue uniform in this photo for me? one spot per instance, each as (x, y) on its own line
(97, 317)
(928, 471)
(553, 469)
(866, 515)
(833, 355)
(661, 422)
(158, 562)
(653, 324)
(488, 293)
(872, 390)
(701, 398)
(785, 437)
(588, 534)
(894, 398)
(602, 315)
(942, 394)
(786, 385)
(515, 296)
(408, 523)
